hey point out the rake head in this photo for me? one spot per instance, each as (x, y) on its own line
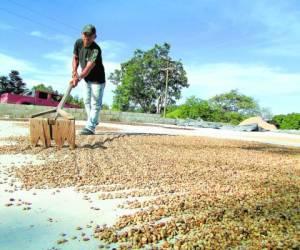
(53, 128)
(47, 129)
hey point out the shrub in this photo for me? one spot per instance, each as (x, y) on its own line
(233, 118)
(289, 121)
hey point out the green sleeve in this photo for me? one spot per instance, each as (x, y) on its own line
(94, 55)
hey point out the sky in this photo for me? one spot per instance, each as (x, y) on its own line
(252, 46)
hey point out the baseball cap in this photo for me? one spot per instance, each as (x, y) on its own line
(89, 29)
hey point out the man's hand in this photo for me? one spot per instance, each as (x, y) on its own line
(74, 82)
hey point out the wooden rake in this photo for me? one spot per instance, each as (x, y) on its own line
(59, 127)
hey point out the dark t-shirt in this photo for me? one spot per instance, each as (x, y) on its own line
(91, 53)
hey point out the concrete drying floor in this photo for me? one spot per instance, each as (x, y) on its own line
(181, 191)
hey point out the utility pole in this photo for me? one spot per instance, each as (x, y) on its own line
(166, 86)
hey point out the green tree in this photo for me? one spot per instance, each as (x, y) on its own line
(42, 87)
(141, 81)
(16, 82)
(5, 85)
(13, 83)
(234, 101)
(75, 100)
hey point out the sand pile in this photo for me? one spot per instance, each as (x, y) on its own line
(205, 193)
(260, 122)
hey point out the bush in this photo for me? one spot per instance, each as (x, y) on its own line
(177, 113)
(289, 121)
(105, 106)
(233, 118)
(232, 107)
(193, 108)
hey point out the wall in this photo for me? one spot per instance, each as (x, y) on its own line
(15, 111)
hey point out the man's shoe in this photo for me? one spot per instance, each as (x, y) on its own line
(86, 131)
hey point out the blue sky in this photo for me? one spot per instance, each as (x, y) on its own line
(253, 46)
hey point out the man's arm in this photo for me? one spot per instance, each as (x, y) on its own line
(76, 79)
(75, 63)
(89, 66)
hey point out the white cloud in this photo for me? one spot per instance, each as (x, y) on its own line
(32, 74)
(37, 33)
(5, 27)
(109, 68)
(56, 37)
(62, 55)
(270, 86)
(9, 63)
(251, 78)
(280, 48)
(112, 45)
(112, 49)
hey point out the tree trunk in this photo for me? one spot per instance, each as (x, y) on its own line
(159, 104)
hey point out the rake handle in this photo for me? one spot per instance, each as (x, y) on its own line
(64, 99)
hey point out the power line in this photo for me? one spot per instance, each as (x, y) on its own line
(43, 15)
(216, 46)
(29, 19)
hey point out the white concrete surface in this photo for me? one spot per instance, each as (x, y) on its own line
(32, 229)
(52, 211)
(264, 137)
(8, 128)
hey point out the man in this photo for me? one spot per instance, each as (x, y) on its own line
(87, 53)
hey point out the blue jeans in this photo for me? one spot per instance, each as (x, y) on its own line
(93, 94)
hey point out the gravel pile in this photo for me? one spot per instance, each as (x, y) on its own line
(203, 193)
